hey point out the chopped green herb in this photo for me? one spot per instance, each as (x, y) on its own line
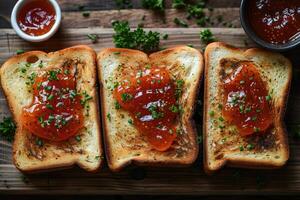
(116, 84)
(175, 109)
(93, 37)
(39, 142)
(41, 64)
(126, 97)
(221, 119)
(221, 126)
(50, 97)
(117, 105)
(130, 121)
(242, 82)
(86, 13)
(206, 36)
(180, 22)
(153, 109)
(202, 21)
(85, 99)
(256, 129)
(66, 71)
(20, 51)
(48, 88)
(165, 36)
(31, 78)
(220, 106)
(73, 94)
(137, 39)
(153, 4)
(211, 113)
(178, 89)
(78, 138)
(241, 148)
(250, 146)
(258, 110)
(139, 114)
(49, 106)
(254, 118)
(178, 4)
(108, 117)
(268, 98)
(195, 11)
(53, 75)
(7, 129)
(248, 109)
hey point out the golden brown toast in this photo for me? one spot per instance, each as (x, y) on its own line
(223, 145)
(123, 142)
(28, 156)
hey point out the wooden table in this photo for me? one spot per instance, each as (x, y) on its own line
(192, 180)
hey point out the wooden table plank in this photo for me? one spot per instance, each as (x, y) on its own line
(190, 180)
(110, 4)
(176, 181)
(219, 17)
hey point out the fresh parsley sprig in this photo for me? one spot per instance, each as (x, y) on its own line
(207, 36)
(137, 39)
(7, 129)
(153, 4)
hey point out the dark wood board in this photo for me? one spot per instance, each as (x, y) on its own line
(175, 181)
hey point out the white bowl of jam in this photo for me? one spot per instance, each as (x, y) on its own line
(36, 20)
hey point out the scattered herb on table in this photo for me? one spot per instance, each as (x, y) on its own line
(93, 37)
(180, 22)
(206, 36)
(178, 4)
(195, 11)
(165, 36)
(20, 51)
(7, 129)
(153, 4)
(80, 7)
(86, 13)
(136, 39)
(122, 4)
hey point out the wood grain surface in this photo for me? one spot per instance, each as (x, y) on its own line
(136, 180)
(190, 180)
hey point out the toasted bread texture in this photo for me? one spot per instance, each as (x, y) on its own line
(28, 156)
(123, 143)
(225, 146)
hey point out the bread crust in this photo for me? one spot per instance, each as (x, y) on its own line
(191, 128)
(70, 161)
(246, 162)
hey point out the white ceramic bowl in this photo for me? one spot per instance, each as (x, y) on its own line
(39, 38)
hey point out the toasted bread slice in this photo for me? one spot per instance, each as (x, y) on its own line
(28, 156)
(123, 143)
(266, 150)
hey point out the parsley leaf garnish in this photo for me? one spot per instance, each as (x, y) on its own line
(137, 39)
(153, 4)
(206, 36)
(7, 129)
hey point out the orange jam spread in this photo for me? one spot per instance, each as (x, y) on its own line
(36, 17)
(55, 113)
(150, 96)
(246, 100)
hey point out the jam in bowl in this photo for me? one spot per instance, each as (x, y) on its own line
(36, 20)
